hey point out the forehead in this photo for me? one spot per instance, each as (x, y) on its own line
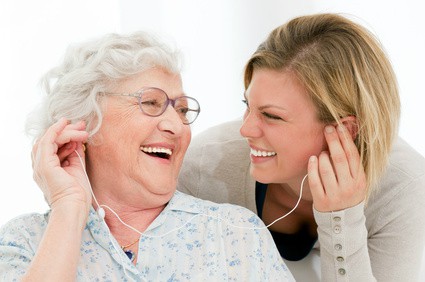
(280, 88)
(276, 82)
(160, 78)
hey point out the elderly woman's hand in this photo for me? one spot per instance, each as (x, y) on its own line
(57, 167)
(337, 179)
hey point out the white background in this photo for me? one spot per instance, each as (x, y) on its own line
(216, 37)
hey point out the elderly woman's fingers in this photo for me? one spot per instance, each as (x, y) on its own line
(60, 139)
(46, 147)
(57, 167)
(56, 146)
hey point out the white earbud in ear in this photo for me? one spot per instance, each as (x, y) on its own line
(101, 213)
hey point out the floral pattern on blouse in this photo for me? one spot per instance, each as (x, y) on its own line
(191, 240)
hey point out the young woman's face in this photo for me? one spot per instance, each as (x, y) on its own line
(281, 127)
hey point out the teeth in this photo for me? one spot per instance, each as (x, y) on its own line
(156, 150)
(262, 153)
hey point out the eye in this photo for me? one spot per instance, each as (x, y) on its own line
(270, 116)
(151, 103)
(182, 110)
(246, 103)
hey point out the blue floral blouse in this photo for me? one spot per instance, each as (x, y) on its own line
(191, 240)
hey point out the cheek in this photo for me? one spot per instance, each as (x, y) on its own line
(316, 144)
(186, 137)
(301, 145)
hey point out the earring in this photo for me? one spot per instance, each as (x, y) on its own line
(84, 147)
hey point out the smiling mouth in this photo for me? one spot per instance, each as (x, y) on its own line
(258, 153)
(163, 153)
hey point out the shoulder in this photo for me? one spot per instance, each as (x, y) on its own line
(216, 166)
(223, 132)
(405, 161)
(25, 221)
(218, 143)
(405, 170)
(225, 137)
(23, 229)
(401, 191)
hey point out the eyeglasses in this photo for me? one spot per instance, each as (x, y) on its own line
(154, 101)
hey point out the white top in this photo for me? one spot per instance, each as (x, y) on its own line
(191, 240)
(383, 240)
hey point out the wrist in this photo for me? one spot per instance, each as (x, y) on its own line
(73, 213)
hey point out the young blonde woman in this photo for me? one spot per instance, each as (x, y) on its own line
(322, 102)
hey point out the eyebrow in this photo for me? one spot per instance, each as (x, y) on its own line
(265, 106)
(271, 106)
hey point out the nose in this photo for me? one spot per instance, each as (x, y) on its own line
(250, 127)
(171, 122)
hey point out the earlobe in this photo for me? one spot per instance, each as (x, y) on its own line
(350, 123)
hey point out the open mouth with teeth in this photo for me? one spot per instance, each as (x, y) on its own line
(257, 153)
(162, 153)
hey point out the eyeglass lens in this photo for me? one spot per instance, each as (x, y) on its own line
(154, 101)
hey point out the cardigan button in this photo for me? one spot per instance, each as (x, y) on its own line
(341, 271)
(337, 229)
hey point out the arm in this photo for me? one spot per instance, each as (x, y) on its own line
(392, 251)
(59, 173)
(338, 185)
(343, 241)
(58, 253)
(383, 241)
(397, 234)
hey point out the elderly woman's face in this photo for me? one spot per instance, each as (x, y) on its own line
(121, 160)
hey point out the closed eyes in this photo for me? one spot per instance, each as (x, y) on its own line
(270, 116)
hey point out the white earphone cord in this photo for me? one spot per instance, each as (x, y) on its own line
(101, 211)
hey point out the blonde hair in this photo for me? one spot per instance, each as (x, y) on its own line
(346, 72)
(71, 89)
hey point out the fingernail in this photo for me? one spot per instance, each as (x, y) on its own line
(329, 129)
(341, 127)
(312, 159)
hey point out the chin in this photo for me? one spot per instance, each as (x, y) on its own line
(261, 177)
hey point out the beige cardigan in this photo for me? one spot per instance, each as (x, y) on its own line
(383, 241)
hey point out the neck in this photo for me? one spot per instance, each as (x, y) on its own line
(138, 219)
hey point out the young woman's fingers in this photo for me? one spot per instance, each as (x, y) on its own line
(327, 174)
(314, 181)
(338, 156)
(350, 149)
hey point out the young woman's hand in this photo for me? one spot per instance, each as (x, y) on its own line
(57, 168)
(336, 178)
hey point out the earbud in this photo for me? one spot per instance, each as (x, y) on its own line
(101, 213)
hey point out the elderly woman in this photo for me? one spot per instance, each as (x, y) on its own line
(111, 136)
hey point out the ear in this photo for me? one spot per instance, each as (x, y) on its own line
(350, 123)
